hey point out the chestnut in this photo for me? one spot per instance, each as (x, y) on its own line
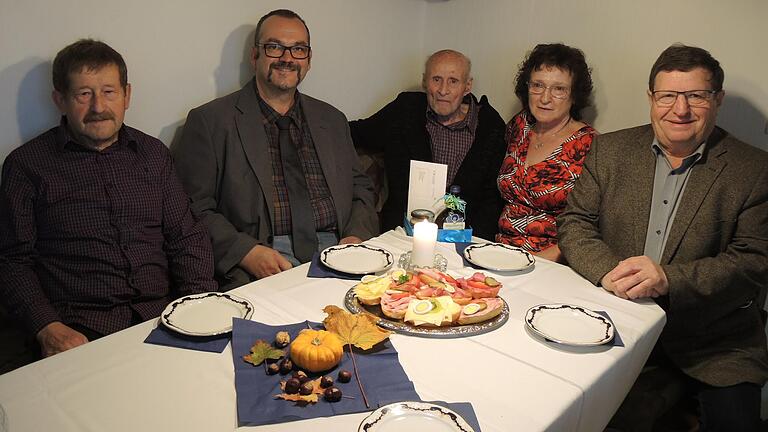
(345, 376)
(301, 376)
(286, 366)
(292, 386)
(326, 381)
(307, 388)
(272, 369)
(332, 394)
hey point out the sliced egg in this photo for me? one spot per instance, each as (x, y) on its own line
(422, 307)
(396, 273)
(471, 309)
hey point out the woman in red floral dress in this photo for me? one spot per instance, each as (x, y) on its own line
(546, 146)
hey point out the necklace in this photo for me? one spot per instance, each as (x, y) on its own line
(540, 142)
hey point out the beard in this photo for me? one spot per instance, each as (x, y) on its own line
(286, 66)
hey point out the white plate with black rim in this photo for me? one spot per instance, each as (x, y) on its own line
(358, 259)
(569, 324)
(414, 416)
(205, 314)
(498, 256)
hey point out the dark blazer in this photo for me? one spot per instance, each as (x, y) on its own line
(716, 256)
(399, 131)
(223, 162)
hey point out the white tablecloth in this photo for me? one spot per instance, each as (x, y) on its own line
(514, 381)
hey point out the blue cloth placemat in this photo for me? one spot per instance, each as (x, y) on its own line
(460, 250)
(166, 337)
(380, 371)
(465, 410)
(319, 270)
(616, 336)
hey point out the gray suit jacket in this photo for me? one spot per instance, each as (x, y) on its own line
(716, 256)
(223, 162)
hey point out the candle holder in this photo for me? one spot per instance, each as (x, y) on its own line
(439, 262)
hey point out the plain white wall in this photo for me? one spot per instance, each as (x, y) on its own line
(621, 40)
(182, 53)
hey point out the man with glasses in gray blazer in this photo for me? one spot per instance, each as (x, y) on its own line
(272, 172)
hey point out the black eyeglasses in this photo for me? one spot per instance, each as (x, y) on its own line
(276, 50)
(665, 98)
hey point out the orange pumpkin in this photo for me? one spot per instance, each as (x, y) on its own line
(316, 350)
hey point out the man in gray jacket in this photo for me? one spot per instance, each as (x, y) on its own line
(272, 172)
(678, 211)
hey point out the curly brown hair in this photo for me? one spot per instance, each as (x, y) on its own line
(562, 57)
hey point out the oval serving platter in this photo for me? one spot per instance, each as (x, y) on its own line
(444, 332)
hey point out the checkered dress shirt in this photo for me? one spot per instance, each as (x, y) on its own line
(94, 238)
(452, 142)
(323, 210)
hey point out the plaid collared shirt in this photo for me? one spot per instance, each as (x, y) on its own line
(94, 237)
(323, 210)
(452, 142)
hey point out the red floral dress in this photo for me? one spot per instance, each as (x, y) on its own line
(535, 195)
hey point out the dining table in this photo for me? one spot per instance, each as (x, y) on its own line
(513, 379)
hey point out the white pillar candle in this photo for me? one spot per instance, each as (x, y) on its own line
(424, 240)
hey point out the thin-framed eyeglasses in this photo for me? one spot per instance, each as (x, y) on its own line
(665, 98)
(276, 50)
(557, 91)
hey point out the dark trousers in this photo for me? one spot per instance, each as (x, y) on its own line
(734, 409)
(662, 386)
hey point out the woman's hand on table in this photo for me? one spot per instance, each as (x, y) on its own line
(57, 337)
(551, 253)
(262, 261)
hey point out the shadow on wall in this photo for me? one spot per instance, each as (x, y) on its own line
(35, 110)
(744, 120)
(233, 72)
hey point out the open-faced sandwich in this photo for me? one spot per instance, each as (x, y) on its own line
(427, 297)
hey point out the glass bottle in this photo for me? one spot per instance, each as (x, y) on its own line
(454, 215)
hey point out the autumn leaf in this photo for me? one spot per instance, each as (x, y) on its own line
(302, 399)
(261, 351)
(359, 330)
(299, 399)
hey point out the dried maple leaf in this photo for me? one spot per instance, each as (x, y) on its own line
(359, 330)
(261, 351)
(299, 399)
(302, 399)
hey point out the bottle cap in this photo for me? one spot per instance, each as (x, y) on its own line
(455, 189)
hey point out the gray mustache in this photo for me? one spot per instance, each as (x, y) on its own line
(98, 117)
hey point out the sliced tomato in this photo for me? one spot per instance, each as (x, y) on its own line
(477, 284)
(449, 279)
(425, 292)
(399, 295)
